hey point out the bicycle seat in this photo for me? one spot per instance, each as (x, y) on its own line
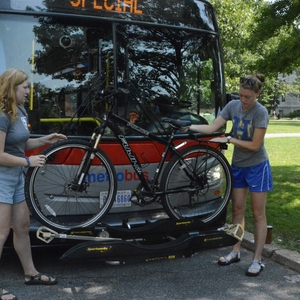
(177, 123)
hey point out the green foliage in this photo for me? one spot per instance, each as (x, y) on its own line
(235, 20)
(277, 32)
(294, 114)
(260, 37)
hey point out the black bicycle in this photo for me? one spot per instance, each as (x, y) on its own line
(77, 186)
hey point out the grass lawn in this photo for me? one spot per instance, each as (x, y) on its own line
(283, 205)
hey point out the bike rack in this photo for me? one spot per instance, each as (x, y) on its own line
(149, 242)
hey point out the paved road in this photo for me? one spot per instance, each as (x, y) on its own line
(197, 277)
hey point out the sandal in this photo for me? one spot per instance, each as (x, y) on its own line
(37, 279)
(6, 293)
(230, 258)
(257, 266)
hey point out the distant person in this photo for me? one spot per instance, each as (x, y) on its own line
(133, 117)
(14, 140)
(250, 164)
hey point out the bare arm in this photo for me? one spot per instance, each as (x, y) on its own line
(48, 139)
(211, 128)
(10, 160)
(254, 145)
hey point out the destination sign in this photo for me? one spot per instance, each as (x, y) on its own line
(121, 6)
(190, 13)
(130, 6)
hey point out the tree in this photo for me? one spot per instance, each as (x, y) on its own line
(277, 38)
(236, 19)
(260, 37)
(277, 35)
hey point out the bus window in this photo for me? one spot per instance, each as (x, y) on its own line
(170, 61)
(173, 70)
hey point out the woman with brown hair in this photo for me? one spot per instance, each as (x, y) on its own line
(250, 164)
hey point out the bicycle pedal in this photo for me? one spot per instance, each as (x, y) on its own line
(138, 202)
(237, 231)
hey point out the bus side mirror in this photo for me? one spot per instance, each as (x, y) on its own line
(232, 96)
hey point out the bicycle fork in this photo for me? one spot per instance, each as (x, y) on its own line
(86, 163)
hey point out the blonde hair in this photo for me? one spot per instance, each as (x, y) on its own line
(9, 81)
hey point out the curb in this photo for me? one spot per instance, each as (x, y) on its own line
(290, 259)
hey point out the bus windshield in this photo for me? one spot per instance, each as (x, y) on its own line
(170, 67)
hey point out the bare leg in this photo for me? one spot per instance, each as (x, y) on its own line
(239, 197)
(5, 218)
(5, 215)
(20, 224)
(258, 202)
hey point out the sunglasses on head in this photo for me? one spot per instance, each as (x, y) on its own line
(248, 81)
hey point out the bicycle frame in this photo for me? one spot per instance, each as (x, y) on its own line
(111, 121)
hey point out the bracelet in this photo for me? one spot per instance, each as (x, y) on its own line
(28, 162)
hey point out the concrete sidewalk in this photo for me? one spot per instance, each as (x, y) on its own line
(274, 135)
(290, 259)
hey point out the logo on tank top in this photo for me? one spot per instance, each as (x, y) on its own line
(243, 128)
(24, 121)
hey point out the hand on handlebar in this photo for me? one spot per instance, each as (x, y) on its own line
(183, 129)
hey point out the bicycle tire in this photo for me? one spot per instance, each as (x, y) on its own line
(205, 175)
(49, 193)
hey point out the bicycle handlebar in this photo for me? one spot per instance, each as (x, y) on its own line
(114, 92)
(177, 123)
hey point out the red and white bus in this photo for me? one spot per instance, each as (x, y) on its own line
(168, 51)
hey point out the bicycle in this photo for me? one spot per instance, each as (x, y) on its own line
(77, 186)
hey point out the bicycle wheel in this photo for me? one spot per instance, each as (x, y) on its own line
(53, 198)
(198, 184)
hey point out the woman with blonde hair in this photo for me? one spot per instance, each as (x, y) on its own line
(14, 140)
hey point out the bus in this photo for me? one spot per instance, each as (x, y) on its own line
(167, 54)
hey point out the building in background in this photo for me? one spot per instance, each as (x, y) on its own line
(289, 103)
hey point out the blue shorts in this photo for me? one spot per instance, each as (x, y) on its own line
(258, 178)
(11, 185)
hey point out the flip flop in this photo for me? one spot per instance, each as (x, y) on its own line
(37, 280)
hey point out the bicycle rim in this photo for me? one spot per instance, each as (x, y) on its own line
(52, 198)
(199, 184)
